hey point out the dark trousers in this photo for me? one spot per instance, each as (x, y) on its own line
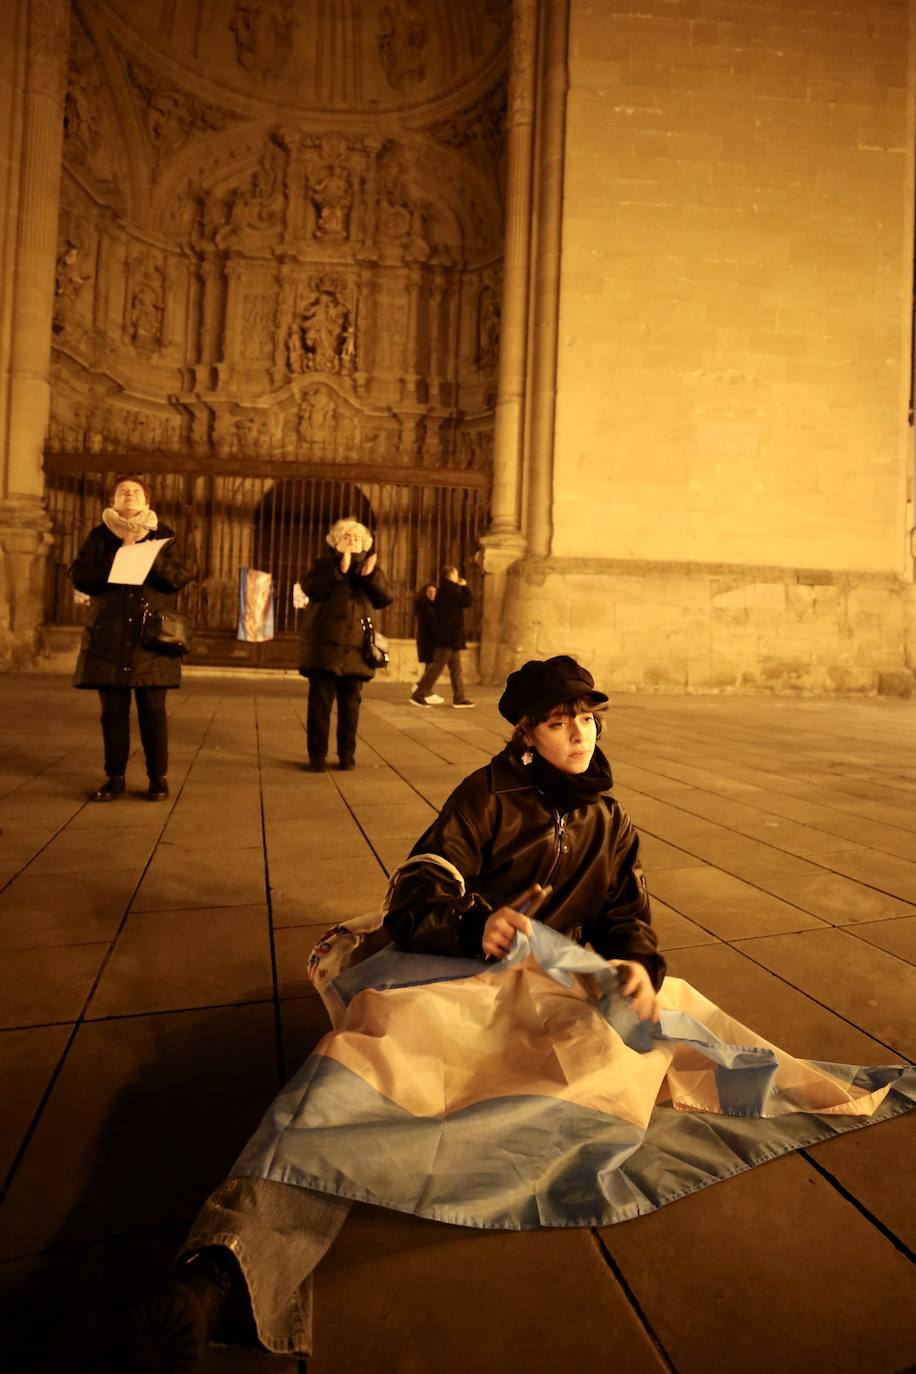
(442, 658)
(154, 728)
(323, 688)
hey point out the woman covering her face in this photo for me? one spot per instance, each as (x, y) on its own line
(344, 588)
(112, 659)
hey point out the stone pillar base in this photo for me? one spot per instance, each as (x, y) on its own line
(25, 538)
(501, 549)
(660, 627)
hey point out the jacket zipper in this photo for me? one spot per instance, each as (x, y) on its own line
(559, 836)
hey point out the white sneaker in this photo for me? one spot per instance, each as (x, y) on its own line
(435, 700)
(463, 705)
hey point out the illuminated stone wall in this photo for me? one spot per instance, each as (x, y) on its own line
(731, 453)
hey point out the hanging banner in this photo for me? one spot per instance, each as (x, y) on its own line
(256, 606)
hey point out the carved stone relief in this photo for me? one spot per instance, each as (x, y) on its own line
(488, 322)
(321, 336)
(172, 115)
(257, 327)
(478, 131)
(146, 297)
(267, 258)
(402, 39)
(263, 31)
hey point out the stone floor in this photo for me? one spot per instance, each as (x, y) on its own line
(153, 995)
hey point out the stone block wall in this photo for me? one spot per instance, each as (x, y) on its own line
(733, 352)
(715, 628)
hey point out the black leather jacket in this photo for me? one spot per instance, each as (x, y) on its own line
(502, 835)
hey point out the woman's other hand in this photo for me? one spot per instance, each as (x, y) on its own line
(368, 567)
(499, 931)
(636, 984)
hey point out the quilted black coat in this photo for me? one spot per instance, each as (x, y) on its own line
(332, 632)
(111, 654)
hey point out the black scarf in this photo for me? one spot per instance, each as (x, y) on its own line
(567, 791)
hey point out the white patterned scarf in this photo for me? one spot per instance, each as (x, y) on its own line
(138, 525)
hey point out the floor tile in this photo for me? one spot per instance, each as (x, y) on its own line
(836, 899)
(36, 989)
(179, 877)
(773, 1007)
(324, 890)
(725, 905)
(153, 1111)
(780, 1240)
(871, 988)
(675, 931)
(167, 960)
(897, 937)
(27, 1060)
(398, 1266)
(60, 909)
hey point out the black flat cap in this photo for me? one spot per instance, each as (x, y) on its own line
(541, 684)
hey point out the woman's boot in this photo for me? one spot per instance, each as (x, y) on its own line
(167, 1327)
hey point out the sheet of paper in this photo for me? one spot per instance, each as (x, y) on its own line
(132, 562)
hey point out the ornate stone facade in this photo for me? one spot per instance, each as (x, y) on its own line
(241, 260)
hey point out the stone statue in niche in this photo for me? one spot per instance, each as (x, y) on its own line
(488, 322)
(146, 312)
(251, 434)
(68, 284)
(263, 32)
(332, 197)
(320, 337)
(317, 418)
(402, 38)
(395, 206)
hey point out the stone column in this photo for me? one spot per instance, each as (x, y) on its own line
(504, 543)
(34, 38)
(546, 275)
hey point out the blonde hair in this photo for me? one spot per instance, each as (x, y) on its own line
(352, 527)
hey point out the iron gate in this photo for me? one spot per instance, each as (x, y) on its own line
(273, 515)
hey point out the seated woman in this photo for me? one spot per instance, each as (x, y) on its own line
(536, 823)
(578, 1125)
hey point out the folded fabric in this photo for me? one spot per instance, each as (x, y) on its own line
(526, 1093)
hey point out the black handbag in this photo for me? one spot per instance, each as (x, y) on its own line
(375, 645)
(165, 632)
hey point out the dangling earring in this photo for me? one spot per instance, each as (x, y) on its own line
(527, 757)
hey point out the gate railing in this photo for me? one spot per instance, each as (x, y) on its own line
(274, 515)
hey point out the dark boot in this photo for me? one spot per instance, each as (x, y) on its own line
(317, 764)
(165, 1330)
(158, 789)
(347, 761)
(109, 790)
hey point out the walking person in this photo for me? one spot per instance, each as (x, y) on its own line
(453, 597)
(112, 658)
(344, 589)
(424, 609)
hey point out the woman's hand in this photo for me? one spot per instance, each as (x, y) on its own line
(368, 567)
(499, 931)
(636, 983)
(345, 561)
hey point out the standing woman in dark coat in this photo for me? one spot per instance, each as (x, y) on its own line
(112, 659)
(343, 589)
